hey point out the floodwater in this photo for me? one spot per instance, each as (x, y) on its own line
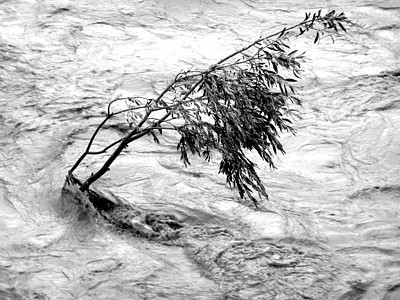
(331, 229)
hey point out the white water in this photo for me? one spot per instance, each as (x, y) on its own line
(333, 218)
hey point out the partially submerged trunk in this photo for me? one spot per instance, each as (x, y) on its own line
(237, 105)
(113, 211)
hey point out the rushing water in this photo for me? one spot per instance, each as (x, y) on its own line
(331, 229)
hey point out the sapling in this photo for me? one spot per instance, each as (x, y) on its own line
(239, 104)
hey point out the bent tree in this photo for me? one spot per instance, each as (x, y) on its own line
(238, 104)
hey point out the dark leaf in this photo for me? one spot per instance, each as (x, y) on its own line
(313, 20)
(316, 37)
(275, 66)
(341, 26)
(282, 33)
(155, 137)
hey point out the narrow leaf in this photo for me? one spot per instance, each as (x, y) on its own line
(341, 26)
(282, 33)
(316, 37)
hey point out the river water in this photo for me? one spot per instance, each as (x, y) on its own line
(331, 229)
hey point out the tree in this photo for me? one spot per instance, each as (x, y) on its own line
(253, 85)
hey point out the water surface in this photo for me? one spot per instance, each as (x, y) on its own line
(331, 227)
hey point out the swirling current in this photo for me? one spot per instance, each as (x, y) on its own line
(331, 229)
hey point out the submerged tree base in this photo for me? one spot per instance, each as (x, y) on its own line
(116, 213)
(242, 267)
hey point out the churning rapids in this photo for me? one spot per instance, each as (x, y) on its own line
(331, 229)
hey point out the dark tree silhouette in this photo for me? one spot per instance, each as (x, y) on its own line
(240, 103)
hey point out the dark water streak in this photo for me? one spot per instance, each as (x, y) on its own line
(331, 229)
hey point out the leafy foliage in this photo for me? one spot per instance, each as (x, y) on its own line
(240, 103)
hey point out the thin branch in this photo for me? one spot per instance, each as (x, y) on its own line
(161, 127)
(109, 105)
(136, 108)
(90, 143)
(104, 150)
(258, 41)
